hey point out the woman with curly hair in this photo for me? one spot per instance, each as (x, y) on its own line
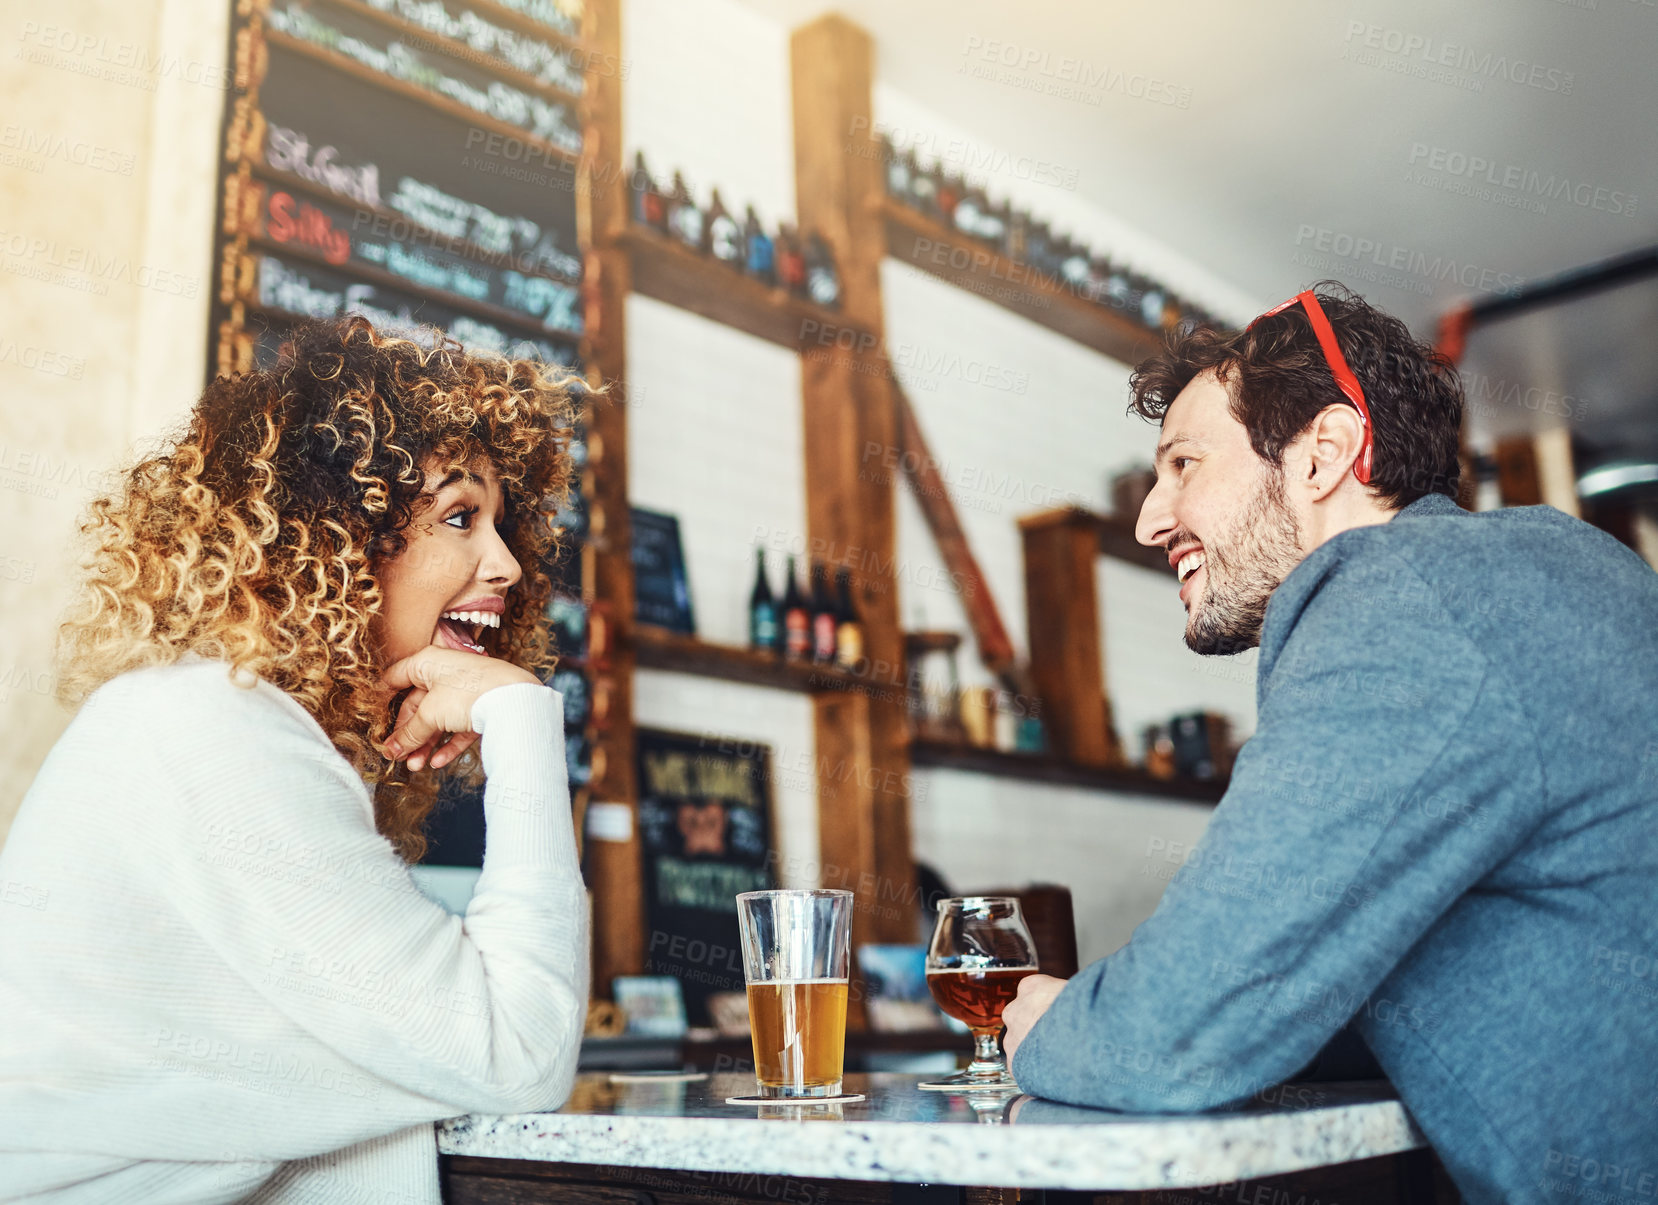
(229, 986)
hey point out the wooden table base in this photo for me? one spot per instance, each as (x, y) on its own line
(1414, 1178)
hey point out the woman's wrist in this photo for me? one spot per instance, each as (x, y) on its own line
(511, 695)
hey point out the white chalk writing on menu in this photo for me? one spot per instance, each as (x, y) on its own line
(543, 119)
(283, 288)
(530, 55)
(290, 151)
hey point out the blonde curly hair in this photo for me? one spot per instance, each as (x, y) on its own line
(258, 536)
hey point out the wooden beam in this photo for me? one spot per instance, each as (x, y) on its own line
(863, 827)
(933, 495)
(1062, 622)
(1518, 482)
(614, 866)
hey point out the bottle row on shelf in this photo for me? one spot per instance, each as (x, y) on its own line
(820, 626)
(802, 265)
(1029, 241)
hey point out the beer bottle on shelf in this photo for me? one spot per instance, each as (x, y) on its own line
(950, 190)
(824, 618)
(1138, 286)
(762, 608)
(646, 201)
(760, 263)
(1099, 280)
(1038, 246)
(1015, 236)
(849, 627)
(937, 191)
(725, 237)
(658, 205)
(915, 180)
(1074, 266)
(993, 222)
(1117, 288)
(823, 283)
(897, 171)
(968, 212)
(791, 262)
(1151, 307)
(796, 644)
(923, 184)
(685, 218)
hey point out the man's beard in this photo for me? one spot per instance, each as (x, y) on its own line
(1242, 567)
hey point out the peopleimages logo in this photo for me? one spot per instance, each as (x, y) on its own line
(1477, 169)
(1430, 58)
(1388, 256)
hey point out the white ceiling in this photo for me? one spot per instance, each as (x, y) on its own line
(1295, 124)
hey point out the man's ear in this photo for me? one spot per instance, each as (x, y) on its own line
(1331, 446)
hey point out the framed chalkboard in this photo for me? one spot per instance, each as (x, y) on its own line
(413, 162)
(705, 834)
(661, 590)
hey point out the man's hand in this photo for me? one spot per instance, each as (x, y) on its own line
(1036, 993)
(443, 684)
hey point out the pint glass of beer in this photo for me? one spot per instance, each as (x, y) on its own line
(796, 950)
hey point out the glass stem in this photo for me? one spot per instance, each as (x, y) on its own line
(987, 1054)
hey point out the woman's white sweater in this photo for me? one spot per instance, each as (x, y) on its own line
(218, 981)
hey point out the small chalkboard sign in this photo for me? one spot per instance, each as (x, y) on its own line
(662, 594)
(705, 833)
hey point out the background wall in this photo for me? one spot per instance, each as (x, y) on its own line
(109, 118)
(111, 123)
(1020, 418)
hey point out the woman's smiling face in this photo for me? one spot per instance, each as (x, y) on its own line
(449, 584)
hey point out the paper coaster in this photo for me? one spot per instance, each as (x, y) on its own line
(657, 1077)
(794, 1100)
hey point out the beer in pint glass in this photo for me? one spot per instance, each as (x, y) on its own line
(796, 952)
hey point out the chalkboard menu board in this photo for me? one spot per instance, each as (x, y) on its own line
(705, 834)
(661, 589)
(413, 161)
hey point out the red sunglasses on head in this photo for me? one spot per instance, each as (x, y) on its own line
(1345, 380)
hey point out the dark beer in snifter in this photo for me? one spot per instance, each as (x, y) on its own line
(976, 996)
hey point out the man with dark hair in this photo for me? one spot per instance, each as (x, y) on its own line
(1444, 832)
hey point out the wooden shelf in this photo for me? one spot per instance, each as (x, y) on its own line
(1037, 767)
(1115, 532)
(931, 246)
(1117, 540)
(666, 270)
(658, 648)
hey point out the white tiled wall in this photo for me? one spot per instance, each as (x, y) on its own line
(714, 436)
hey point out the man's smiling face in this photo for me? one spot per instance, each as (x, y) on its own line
(1221, 513)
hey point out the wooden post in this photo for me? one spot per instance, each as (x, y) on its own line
(1062, 623)
(850, 422)
(1518, 482)
(614, 869)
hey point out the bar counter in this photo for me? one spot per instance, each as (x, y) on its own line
(670, 1141)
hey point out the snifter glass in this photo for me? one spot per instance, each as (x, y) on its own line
(796, 952)
(980, 951)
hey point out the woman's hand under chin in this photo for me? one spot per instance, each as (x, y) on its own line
(434, 724)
